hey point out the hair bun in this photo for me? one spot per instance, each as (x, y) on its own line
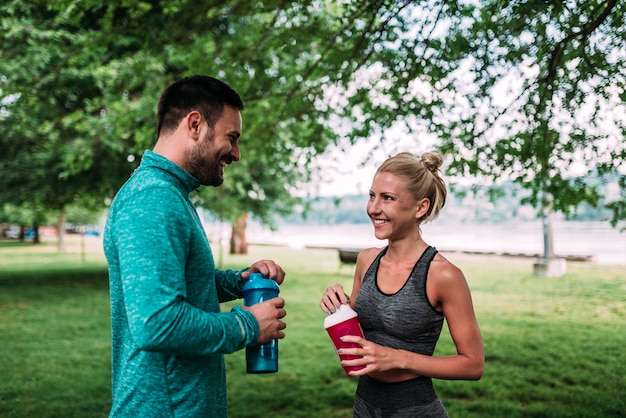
(432, 160)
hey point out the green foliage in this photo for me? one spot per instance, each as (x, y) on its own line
(541, 96)
(618, 206)
(80, 215)
(32, 216)
(48, 85)
(87, 76)
(23, 216)
(520, 91)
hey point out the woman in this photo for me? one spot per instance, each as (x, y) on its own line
(402, 294)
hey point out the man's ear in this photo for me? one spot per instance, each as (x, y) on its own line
(193, 120)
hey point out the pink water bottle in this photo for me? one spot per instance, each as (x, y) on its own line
(344, 322)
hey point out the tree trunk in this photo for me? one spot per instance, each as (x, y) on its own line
(238, 242)
(549, 265)
(36, 239)
(61, 232)
(548, 237)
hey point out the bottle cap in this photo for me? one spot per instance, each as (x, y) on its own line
(342, 314)
(257, 281)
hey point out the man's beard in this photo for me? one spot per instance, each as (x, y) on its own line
(202, 163)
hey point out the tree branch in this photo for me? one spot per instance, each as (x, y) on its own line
(557, 53)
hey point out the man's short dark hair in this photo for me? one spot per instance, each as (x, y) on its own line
(202, 93)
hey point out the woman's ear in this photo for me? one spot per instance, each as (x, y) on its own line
(422, 208)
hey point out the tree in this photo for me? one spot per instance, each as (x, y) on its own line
(47, 84)
(87, 76)
(563, 70)
(24, 217)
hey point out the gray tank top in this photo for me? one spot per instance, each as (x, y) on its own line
(404, 320)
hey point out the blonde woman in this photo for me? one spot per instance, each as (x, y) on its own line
(402, 294)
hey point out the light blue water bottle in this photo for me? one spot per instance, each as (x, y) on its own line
(261, 358)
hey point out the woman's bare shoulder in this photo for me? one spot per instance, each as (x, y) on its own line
(445, 272)
(368, 255)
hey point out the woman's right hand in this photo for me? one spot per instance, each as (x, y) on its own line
(332, 298)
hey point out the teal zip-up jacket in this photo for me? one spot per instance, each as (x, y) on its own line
(168, 334)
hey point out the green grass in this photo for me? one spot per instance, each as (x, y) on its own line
(554, 347)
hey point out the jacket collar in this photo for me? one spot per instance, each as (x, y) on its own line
(152, 159)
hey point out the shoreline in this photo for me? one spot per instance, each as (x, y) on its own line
(589, 242)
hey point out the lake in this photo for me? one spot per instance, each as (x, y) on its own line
(605, 244)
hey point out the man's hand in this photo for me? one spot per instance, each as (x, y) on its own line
(269, 314)
(267, 268)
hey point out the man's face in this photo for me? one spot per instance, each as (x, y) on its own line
(217, 148)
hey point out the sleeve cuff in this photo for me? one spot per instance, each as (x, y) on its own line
(248, 324)
(241, 280)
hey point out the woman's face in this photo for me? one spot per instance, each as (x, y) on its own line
(391, 207)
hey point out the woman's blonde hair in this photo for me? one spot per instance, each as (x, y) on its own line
(423, 178)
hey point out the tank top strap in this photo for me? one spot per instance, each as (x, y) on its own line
(417, 280)
(372, 270)
(420, 267)
(429, 254)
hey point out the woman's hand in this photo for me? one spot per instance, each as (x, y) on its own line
(332, 298)
(375, 357)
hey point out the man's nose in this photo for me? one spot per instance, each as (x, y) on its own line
(235, 152)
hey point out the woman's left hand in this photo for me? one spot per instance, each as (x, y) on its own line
(375, 357)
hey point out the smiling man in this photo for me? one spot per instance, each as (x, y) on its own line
(168, 334)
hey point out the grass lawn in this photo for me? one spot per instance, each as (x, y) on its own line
(554, 347)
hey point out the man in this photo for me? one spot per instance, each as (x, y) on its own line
(168, 334)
